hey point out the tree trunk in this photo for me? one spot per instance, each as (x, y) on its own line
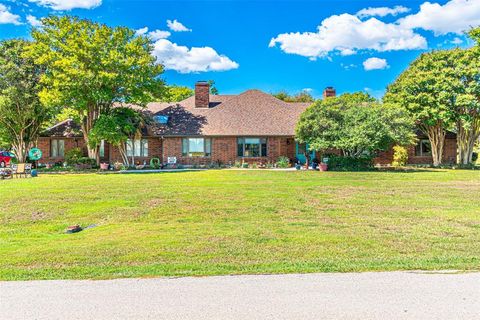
(466, 139)
(87, 124)
(436, 135)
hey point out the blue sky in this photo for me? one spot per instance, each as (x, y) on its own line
(352, 45)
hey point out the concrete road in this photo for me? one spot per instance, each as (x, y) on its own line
(387, 295)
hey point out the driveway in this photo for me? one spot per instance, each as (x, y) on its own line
(385, 295)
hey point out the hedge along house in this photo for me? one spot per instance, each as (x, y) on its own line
(250, 127)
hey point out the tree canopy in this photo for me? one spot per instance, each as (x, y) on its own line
(355, 124)
(21, 113)
(177, 93)
(90, 67)
(303, 96)
(116, 127)
(426, 90)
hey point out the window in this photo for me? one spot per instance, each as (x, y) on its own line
(57, 148)
(196, 147)
(160, 119)
(102, 149)
(252, 147)
(423, 148)
(302, 148)
(137, 148)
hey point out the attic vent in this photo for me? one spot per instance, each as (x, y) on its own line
(161, 119)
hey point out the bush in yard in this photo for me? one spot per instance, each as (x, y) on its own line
(400, 156)
(72, 156)
(283, 162)
(340, 163)
(86, 163)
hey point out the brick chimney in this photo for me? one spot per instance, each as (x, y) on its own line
(202, 94)
(329, 92)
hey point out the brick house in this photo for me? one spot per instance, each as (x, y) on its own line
(250, 127)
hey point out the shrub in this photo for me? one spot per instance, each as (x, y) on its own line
(339, 163)
(237, 164)
(245, 165)
(86, 163)
(254, 165)
(72, 156)
(474, 157)
(400, 156)
(283, 162)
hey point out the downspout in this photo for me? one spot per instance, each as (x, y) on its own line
(161, 139)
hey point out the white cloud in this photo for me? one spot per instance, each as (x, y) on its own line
(455, 16)
(34, 21)
(347, 34)
(195, 59)
(141, 32)
(6, 17)
(177, 26)
(382, 11)
(154, 35)
(159, 34)
(68, 4)
(456, 40)
(375, 64)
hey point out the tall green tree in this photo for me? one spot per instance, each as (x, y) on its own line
(177, 93)
(213, 87)
(467, 98)
(116, 127)
(302, 96)
(427, 90)
(90, 67)
(355, 124)
(22, 115)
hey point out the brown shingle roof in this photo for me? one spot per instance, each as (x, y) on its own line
(252, 113)
(66, 129)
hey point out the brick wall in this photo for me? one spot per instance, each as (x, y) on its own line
(44, 144)
(154, 151)
(224, 150)
(449, 155)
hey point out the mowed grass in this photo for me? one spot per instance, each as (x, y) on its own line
(238, 222)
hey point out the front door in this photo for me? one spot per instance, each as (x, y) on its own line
(300, 153)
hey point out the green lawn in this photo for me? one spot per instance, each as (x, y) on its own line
(238, 222)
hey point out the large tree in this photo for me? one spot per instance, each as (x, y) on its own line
(21, 113)
(116, 127)
(467, 98)
(303, 96)
(355, 124)
(177, 93)
(427, 90)
(91, 67)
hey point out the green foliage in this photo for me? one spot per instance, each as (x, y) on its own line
(303, 96)
(355, 124)
(177, 93)
(116, 127)
(346, 163)
(91, 66)
(400, 156)
(21, 113)
(155, 163)
(283, 162)
(213, 87)
(86, 163)
(72, 156)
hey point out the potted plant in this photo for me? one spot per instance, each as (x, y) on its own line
(104, 166)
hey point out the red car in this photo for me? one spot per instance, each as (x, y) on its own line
(5, 158)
